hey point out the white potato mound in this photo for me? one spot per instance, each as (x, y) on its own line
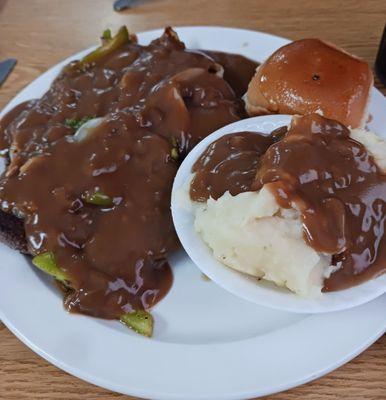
(250, 233)
(374, 144)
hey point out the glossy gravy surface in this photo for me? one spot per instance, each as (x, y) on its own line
(156, 101)
(317, 168)
(228, 164)
(340, 192)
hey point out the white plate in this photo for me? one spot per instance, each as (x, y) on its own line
(208, 344)
(243, 285)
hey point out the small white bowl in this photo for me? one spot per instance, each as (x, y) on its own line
(242, 285)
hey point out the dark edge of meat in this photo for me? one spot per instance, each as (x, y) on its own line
(12, 232)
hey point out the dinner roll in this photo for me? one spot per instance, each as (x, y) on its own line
(311, 76)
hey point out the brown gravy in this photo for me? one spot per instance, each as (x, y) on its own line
(340, 192)
(157, 102)
(228, 164)
(331, 179)
(237, 69)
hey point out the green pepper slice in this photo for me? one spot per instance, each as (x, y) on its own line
(106, 35)
(47, 263)
(174, 154)
(141, 322)
(110, 45)
(97, 198)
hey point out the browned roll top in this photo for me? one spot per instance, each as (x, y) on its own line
(310, 76)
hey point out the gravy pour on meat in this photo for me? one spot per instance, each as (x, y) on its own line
(101, 205)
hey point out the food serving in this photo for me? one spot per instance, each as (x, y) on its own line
(86, 191)
(311, 76)
(310, 223)
(303, 207)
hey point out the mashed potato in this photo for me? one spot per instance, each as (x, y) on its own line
(375, 145)
(250, 233)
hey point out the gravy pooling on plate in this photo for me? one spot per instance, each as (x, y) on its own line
(330, 178)
(101, 205)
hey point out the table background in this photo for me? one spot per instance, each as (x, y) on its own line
(40, 33)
